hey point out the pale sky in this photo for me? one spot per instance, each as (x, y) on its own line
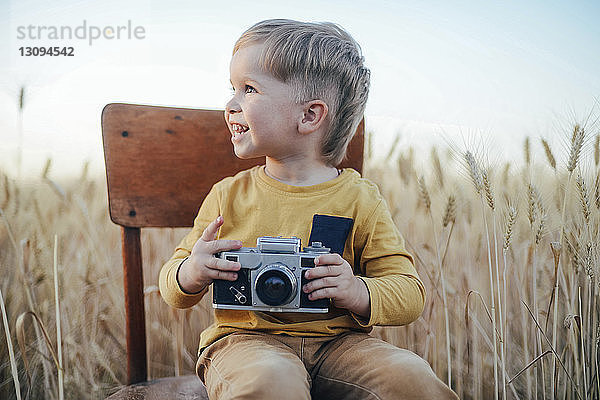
(495, 70)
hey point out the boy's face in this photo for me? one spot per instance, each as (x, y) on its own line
(261, 115)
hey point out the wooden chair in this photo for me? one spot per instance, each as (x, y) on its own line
(160, 164)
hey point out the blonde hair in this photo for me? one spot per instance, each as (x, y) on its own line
(320, 60)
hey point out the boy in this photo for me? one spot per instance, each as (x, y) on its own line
(299, 92)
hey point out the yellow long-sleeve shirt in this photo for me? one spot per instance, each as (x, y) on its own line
(253, 204)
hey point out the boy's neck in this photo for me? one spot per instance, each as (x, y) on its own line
(299, 172)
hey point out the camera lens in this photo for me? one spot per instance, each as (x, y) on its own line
(274, 285)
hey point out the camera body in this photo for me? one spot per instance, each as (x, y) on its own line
(271, 277)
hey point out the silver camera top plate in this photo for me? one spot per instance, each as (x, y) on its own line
(271, 244)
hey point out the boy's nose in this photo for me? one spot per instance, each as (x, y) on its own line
(232, 106)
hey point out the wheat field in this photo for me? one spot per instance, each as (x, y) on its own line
(510, 248)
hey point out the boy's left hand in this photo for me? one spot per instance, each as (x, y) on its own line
(332, 277)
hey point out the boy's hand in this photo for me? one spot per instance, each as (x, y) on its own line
(334, 278)
(202, 267)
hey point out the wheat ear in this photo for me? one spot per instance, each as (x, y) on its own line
(549, 155)
(437, 166)
(577, 139)
(584, 198)
(597, 190)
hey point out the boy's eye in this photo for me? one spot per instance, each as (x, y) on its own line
(249, 89)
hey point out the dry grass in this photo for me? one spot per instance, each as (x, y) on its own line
(450, 226)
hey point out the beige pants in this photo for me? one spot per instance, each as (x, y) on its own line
(353, 365)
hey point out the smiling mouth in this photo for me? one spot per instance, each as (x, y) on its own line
(238, 130)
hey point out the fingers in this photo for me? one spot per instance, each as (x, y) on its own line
(330, 278)
(325, 293)
(213, 274)
(210, 232)
(325, 270)
(216, 246)
(207, 242)
(331, 259)
(224, 265)
(216, 268)
(319, 284)
(333, 287)
(207, 267)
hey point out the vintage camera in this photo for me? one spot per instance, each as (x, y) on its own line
(271, 277)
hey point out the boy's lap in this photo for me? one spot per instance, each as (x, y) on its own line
(370, 368)
(253, 365)
(252, 351)
(352, 365)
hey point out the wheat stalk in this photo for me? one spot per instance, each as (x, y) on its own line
(477, 179)
(405, 168)
(597, 150)
(533, 207)
(426, 199)
(449, 217)
(555, 247)
(20, 327)
(489, 195)
(585, 389)
(577, 139)
(393, 147)
(21, 104)
(512, 217)
(11, 353)
(6, 193)
(30, 297)
(552, 347)
(505, 174)
(61, 390)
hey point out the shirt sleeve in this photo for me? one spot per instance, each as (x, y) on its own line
(169, 286)
(396, 293)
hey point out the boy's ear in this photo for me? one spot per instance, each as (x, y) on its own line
(313, 116)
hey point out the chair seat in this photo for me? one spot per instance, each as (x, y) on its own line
(175, 388)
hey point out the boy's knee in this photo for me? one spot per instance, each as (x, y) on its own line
(269, 378)
(413, 376)
(280, 379)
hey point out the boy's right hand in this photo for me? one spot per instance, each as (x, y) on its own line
(202, 267)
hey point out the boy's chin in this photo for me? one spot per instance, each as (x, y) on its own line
(244, 155)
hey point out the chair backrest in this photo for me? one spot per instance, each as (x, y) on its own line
(160, 164)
